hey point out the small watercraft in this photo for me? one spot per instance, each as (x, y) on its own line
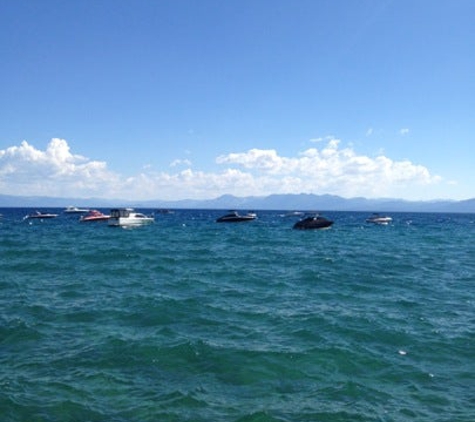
(40, 215)
(235, 217)
(293, 214)
(75, 210)
(128, 217)
(379, 219)
(313, 222)
(94, 215)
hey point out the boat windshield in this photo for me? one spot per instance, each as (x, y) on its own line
(120, 213)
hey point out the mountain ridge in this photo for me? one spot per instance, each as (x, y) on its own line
(301, 202)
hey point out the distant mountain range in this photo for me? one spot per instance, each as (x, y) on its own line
(300, 202)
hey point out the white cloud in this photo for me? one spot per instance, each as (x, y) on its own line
(404, 131)
(321, 139)
(25, 170)
(261, 160)
(180, 162)
(331, 169)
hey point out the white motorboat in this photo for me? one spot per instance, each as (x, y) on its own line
(75, 210)
(293, 214)
(128, 217)
(40, 215)
(379, 219)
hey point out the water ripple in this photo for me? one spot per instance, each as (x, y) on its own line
(187, 320)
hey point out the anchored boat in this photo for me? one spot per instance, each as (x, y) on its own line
(235, 217)
(312, 223)
(128, 217)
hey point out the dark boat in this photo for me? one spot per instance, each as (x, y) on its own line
(235, 217)
(312, 223)
(40, 215)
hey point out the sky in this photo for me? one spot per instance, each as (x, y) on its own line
(193, 99)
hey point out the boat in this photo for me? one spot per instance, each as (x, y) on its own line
(293, 214)
(40, 215)
(75, 210)
(128, 217)
(94, 215)
(235, 217)
(313, 222)
(379, 219)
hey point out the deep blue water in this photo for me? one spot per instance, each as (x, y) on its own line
(190, 320)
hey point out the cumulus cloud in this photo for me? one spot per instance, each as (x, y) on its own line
(25, 170)
(258, 159)
(180, 162)
(332, 168)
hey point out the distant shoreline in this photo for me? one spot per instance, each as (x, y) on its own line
(289, 202)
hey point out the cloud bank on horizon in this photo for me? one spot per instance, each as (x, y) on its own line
(331, 169)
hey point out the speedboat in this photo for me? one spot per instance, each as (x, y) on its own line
(40, 215)
(94, 215)
(313, 222)
(75, 210)
(235, 217)
(293, 214)
(379, 219)
(128, 217)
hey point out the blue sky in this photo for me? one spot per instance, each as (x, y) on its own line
(175, 99)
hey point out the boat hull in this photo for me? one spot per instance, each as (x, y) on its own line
(75, 210)
(313, 223)
(383, 220)
(239, 219)
(93, 216)
(235, 217)
(116, 222)
(40, 216)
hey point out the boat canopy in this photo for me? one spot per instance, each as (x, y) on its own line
(121, 212)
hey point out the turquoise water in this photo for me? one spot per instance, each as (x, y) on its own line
(189, 320)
